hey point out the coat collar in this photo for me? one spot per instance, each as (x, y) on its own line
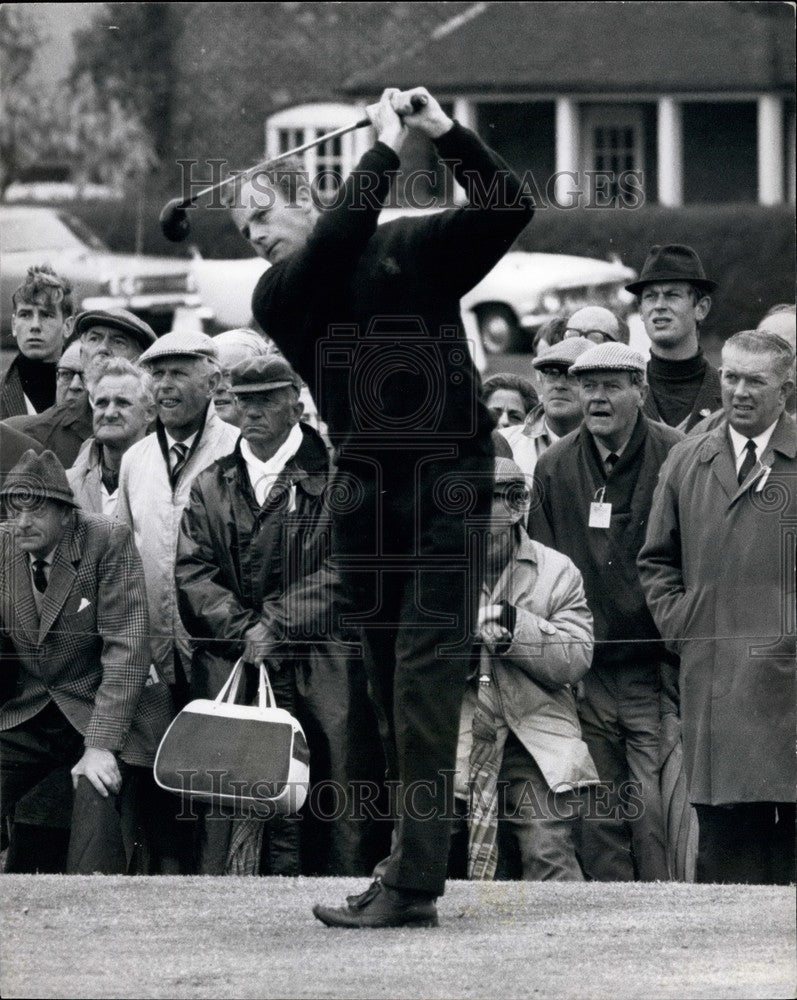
(716, 449)
(308, 467)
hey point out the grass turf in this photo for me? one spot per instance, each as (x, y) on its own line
(226, 937)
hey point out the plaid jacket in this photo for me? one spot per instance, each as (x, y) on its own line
(89, 649)
(12, 397)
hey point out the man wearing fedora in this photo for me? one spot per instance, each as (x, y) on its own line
(674, 298)
(593, 490)
(80, 695)
(103, 334)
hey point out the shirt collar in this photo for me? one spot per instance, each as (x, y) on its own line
(739, 441)
(49, 559)
(188, 443)
(604, 452)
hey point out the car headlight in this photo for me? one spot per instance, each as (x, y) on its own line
(552, 302)
(128, 285)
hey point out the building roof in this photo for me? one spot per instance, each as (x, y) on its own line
(603, 47)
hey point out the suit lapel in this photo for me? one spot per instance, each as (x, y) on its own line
(62, 577)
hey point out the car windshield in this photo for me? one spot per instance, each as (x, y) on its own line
(46, 231)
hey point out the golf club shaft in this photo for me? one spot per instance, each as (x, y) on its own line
(418, 102)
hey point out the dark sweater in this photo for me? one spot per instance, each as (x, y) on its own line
(566, 479)
(397, 367)
(681, 390)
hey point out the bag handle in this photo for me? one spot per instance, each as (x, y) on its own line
(229, 691)
(265, 693)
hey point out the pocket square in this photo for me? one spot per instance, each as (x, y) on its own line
(84, 603)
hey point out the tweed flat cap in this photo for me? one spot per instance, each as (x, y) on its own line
(38, 477)
(263, 374)
(608, 357)
(507, 471)
(181, 343)
(118, 319)
(564, 353)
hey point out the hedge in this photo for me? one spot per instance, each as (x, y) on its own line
(748, 249)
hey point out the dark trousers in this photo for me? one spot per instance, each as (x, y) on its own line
(750, 842)
(55, 830)
(414, 534)
(622, 833)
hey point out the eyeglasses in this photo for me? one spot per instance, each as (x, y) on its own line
(596, 336)
(65, 376)
(554, 374)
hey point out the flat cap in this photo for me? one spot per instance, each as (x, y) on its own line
(181, 343)
(564, 353)
(118, 319)
(38, 477)
(506, 470)
(609, 357)
(263, 374)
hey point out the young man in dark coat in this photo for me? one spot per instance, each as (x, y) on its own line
(593, 493)
(369, 317)
(42, 309)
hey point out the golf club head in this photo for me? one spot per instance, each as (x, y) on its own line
(174, 221)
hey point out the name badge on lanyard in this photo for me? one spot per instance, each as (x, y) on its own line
(600, 513)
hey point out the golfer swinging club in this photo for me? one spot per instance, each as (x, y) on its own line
(369, 317)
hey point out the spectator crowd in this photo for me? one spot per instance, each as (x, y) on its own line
(630, 708)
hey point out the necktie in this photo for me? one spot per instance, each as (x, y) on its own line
(610, 461)
(180, 456)
(39, 575)
(748, 463)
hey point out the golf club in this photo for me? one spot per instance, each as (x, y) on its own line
(174, 222)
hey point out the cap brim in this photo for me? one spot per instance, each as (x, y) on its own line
(238, 390)
(705, 284)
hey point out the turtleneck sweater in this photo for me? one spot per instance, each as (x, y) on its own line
(675, 385)
(38, 381)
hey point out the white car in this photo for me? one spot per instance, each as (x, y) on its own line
(525, 289)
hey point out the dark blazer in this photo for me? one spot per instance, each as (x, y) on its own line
(89, 649)
(62, 428)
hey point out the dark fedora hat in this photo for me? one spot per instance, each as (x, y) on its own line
(672, 262)
(38, 477)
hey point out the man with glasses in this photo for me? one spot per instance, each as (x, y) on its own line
(102, 334)
(598, 325)
(69, 382)
(559, 410)
(42, 308)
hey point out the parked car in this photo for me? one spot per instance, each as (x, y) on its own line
(226, 286)
(525, 289)
(155, 288)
